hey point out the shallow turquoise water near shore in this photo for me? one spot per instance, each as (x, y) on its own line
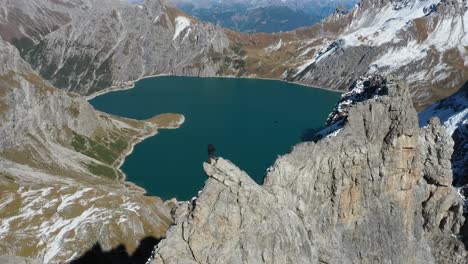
(250, 122)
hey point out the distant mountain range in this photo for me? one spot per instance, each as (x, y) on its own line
(262, 16)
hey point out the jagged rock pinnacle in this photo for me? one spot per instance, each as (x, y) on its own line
(363, 195)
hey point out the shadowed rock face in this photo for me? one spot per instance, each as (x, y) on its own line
(373, 191)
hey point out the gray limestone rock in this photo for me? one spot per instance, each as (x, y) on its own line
(436, 152)
(108, 43)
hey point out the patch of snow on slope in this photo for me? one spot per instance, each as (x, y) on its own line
(44, 222)
(397, 57)
(383, 27)
(71, 198)
(331, 131)
(186, 34)
(306, 51)
(181, 24)
(365, 88)
(449, 33)
(274, 47)
(450, 118)
(156, 19)
(322, 54)
(452, 113)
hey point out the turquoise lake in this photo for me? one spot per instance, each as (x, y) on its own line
(249, 121)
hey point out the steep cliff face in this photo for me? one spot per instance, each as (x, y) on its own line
(371, 191)
(23, 22)
(453, 113)
(107, 43)
(61, 189)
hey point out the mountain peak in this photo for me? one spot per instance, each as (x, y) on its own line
(337, 191)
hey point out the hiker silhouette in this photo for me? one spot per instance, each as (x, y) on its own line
(211, 151)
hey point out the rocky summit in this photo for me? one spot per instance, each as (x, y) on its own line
(371, 191)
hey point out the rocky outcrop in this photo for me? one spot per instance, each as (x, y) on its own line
(453, 113)
(376, 190)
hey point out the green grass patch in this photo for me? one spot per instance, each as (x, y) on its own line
(102, 170)
(93, 149)
(239, 50)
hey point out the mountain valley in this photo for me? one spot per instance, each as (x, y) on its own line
(384, 182)
(262, 16)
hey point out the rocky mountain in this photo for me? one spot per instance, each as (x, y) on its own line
(61, 187)
(371, 191)
(110, 42)
(422, 42)
(99, 44)
(376, 187)
(261, 16)
(267, 19)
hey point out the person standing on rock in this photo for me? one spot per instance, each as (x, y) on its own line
(211, 152)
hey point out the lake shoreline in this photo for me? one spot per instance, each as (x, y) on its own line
(137, 140)
(124, 86)
(178, 155)
(131, 84)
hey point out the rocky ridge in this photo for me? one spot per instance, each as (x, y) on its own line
(113, 42)
(373, 192)
(98, 44)
(262, 16)
(61, 189)
(422, 42)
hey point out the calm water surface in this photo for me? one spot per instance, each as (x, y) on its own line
(249, 121)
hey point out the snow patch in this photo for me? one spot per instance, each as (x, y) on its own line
(156, 19)
(452, 114)
(317, 58)
(181, 24)
(378, 29)
(398, 57)
(275, 46)
(186, 34)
